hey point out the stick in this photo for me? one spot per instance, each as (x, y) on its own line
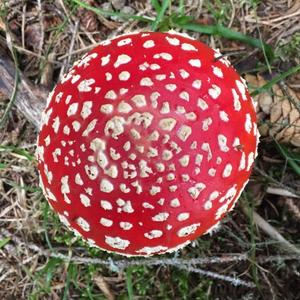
(272, 232)
(30, 99)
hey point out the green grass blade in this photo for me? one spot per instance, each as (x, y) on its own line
(111, 13)
(276, 79)
(268, 63)
(3, 242)
(249, 207)
(17, 150)
(289, 158)
(181, 7)
(45, 226)
(12, 49)
(12, 98)
(26, 188)
(160, 15)
(67, 285)
(228, 34)
(156, 5)
(129, 283)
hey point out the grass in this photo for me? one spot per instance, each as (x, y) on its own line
(110, 13)
(250, 207)
(15, 150)
(129, 282)
(12, 99)
(164, 22)
(293, 160)
(45, 226)
(219, 10)
(3, 242)
(275, 80)
(46, 276)
(161, 11)
(219, 30)
(3, 13)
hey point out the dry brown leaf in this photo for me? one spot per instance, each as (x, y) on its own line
(33, 36)
(265, 102)
(88, 19)
(47, 72)
(2, 25)
(295, 140)
(285, 106)
(277, 112)
(104, 287)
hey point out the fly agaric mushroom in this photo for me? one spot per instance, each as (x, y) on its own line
(146, 143)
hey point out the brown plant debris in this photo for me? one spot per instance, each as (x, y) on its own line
(278, 111)
(88, 19)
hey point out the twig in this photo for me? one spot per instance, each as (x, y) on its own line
(123, 27)
(121, 264)
(16, 77)
(278, 183)
(72, 44)
(286, 16)
(124, 263)
(4, 265)
(30, 99)
(293, 208)
(41, 21)
(233, 280)
(281, 192)
(272, 232)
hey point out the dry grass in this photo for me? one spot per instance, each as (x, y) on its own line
(39, 259)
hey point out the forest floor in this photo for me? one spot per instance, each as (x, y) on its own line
(256, 252)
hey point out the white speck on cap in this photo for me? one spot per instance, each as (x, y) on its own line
(151, 250)
(195, 63)
(187, 230)
(214, 91)
(184, 132)
(124, 75)
(164, 55)
(161, 217)
(188, 47)
(116, 242)
(167, 124)
(85, 200)
(105, 60)
(121, 60)
(124, 42)
(106, 186)
(106, 222)
(106, 205)
(85, 85)
(173, 41)
(153, 234)
(149, 44)
(183, 216)
(126, 225)
(106, 108)
(83, 224)
(222, 140)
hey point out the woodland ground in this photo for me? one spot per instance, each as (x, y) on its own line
(245, 259)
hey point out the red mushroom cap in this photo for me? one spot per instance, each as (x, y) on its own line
(146, 143)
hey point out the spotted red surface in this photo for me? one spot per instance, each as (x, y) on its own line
(146, 143)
